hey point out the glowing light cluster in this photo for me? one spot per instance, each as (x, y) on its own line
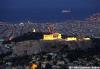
(86, 38)
(48, 37)
(34, 66)
(52, 36)
(34, 30)
(71, 39)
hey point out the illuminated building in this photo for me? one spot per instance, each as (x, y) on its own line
(52, 36)
(48, 37)
(71, 39)
(86, 38)
(57, 36)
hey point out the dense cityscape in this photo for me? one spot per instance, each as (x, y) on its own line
(77, 28)
(49, 34)
(71, 43)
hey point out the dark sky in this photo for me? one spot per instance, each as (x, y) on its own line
(26, 4)
(20, 10)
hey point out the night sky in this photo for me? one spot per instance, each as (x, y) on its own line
(43, 5)
(4, 4)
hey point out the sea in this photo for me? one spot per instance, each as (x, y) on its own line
(16, 11)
